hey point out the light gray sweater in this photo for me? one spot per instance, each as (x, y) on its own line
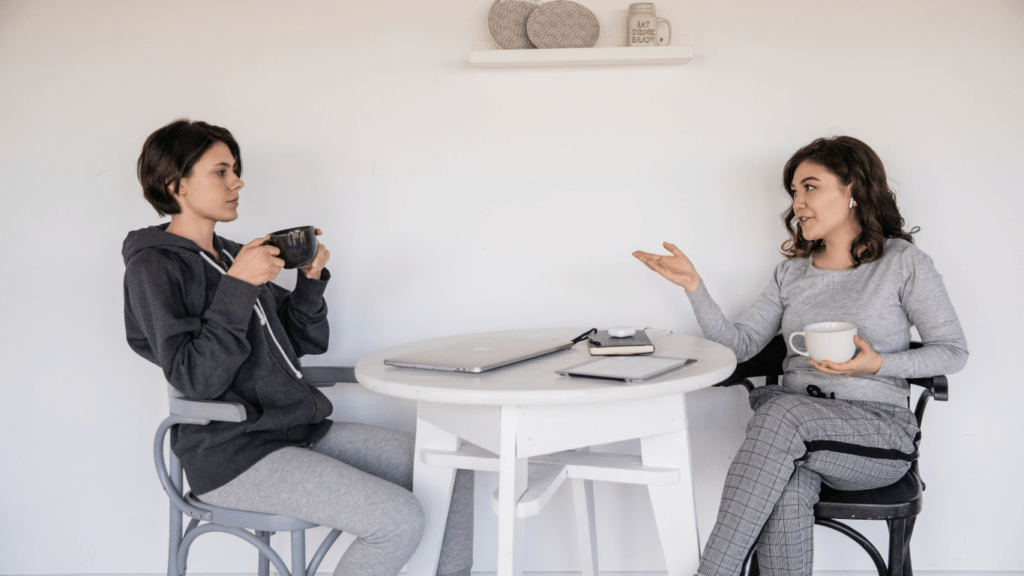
(884, 299)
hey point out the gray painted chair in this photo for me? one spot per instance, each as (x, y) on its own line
(254, 528)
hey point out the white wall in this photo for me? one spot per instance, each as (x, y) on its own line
(456, 200)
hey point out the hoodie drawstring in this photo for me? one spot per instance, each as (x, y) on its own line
(260, 312)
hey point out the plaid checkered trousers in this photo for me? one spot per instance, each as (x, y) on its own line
(793, 444)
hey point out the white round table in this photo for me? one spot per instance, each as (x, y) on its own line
(534, 427)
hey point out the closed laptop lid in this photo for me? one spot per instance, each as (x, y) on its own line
(478, 354)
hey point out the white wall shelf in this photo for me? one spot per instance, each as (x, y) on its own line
(580, 57)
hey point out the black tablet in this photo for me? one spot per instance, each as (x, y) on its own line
(626, 368)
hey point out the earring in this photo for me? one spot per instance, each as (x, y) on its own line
(852, 202)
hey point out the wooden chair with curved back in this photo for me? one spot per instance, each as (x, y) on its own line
(897, 504)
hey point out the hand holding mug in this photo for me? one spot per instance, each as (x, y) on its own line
(676, 268)
(832, 349)
(298, 246)
(323, 255)
(255, 263)
(867, 361)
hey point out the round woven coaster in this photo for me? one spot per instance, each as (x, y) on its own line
(563, 24)
(507, 21)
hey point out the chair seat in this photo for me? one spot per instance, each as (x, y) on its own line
(900, 500)
(249, 520)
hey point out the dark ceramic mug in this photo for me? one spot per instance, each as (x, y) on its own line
(298, 246)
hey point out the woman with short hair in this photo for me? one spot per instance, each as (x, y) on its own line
(206, 311)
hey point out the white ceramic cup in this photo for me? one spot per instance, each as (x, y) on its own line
(827, 341)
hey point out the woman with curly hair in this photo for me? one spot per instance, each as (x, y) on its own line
(846, 424)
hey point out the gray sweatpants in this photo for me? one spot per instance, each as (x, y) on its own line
(794, 443)
(358, 479)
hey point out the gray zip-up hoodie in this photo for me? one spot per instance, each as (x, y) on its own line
(220, 338)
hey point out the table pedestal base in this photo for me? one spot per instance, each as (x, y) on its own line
(536, 448)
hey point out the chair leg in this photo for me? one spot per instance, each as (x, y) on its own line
(318, 556)
(298, 552)
(261, 540)
(897, 546)
(175, 543)
(859, 539)
(264, 563)
(908, 570)
(174, 530)
(755, 568)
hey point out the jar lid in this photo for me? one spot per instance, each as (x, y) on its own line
(563, 24)
(507, 22)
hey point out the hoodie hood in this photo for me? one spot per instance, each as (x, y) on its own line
(159, 237)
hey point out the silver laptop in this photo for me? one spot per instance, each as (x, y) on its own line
(479, 354)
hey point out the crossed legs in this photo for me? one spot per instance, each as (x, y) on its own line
(793, 444)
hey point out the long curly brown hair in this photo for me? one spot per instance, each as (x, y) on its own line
(852, 162)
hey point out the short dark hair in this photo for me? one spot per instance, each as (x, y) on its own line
(854, 164)
(169, 155)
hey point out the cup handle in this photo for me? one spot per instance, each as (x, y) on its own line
(791, 345)
(669, 24)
